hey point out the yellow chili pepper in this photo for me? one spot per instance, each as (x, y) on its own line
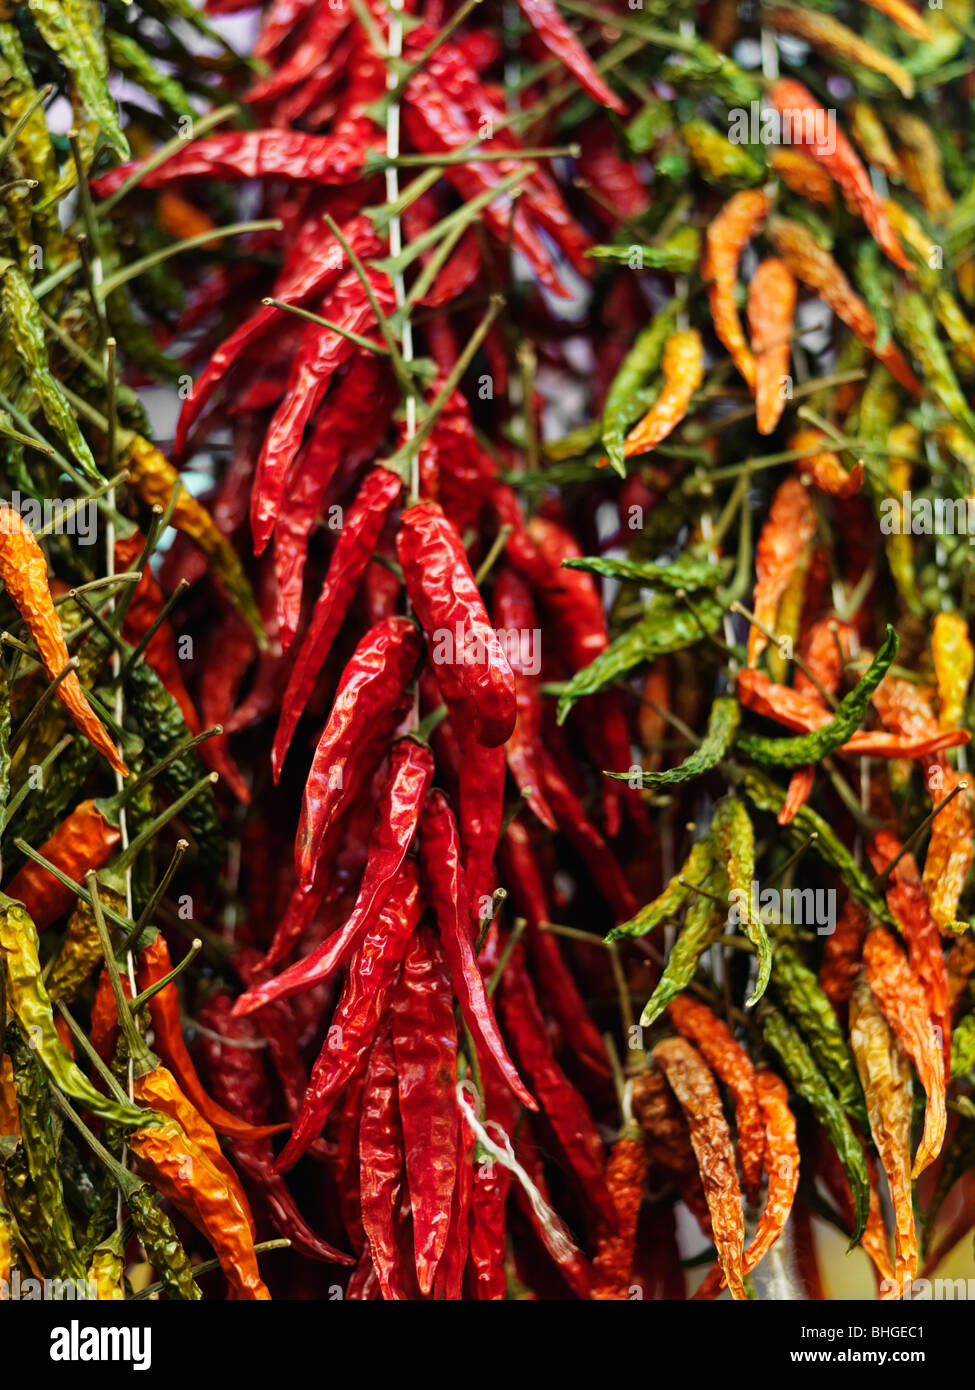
(954, 660)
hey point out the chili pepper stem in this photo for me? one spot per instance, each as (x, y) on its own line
(514, 937)
(162, 616)
(145, 917)
(142, 1059)
(878, 880)
(367, 345)
(84, 1042)
(126, 1182)
(150, 832)
(41, 704)
(196, 946)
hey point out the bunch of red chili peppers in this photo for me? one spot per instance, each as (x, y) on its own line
(543, 742)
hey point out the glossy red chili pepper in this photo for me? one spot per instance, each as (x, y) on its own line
(425, 1043)
(353, 550)
(455, 623)
(381, 1172)
(325, 25)
(321, 352)
(488, 1228)
(372, 971)
(449, 1280)
(442, 880)
(514, 613)
(398, 813)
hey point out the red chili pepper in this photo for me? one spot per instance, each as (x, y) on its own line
(515, 613)
(239, 1080)
(425, 1043)
(321, 352)
(449, 1280)
(353, 550)
(251, 154)
(372, 971)
(410, 774)
(314, 266)
(381, 1172)
(325, 26)
(441, 870)
(455, 623)
(561, 1104)
(556, 35)
(556, 982)
(840, 963)
(818, 133)
(488, 1229)
(347, 429)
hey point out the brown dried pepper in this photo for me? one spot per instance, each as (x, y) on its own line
(23, 571)
(885, 1075)
(901, 998)
(781, 1161)
(726, 237)
(733, 1067)
(771, 311)
(692, 1083)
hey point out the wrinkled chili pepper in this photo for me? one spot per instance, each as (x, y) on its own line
(771, 309)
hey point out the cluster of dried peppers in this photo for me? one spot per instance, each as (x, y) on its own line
(555, 794)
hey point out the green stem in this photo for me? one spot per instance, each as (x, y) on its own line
(165, 253)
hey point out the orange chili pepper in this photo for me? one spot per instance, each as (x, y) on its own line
(904, 15)
(692, 1083)
(824, 467)
(682, 367)
(902, 1000)
(184, 1174)
(840, 962)
(733, 1067)
(771, 313)
(790, 526)
(84, 840)
(625, 1175)
(727, 236)
(23, 570)
(803, 175)
(815, 267)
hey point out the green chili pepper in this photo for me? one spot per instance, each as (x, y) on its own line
(963, 1046)
(722, 727)
(875, 286)
(37, 1137)
(810, 1083)
(703, 923)
(132, 59)
(916, 327)
(735, 847)
(705, 71)
(647, 126)
(679, 254)
(25, 1208)
(23, 323)
(696, 866)
(686, 572)
(639, 364)
(667, 627)
(163, 727)
(766, 796)
(798, 989)
(28, 999)
(804, 749)
(718, 158)
(73, 30)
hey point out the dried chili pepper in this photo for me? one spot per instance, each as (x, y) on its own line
(682, 368)
(23, 570)
(902, 1001)
(725, 240)
(356, 543)
(381, 1165)
(954, 662)
(693, 1085)
(886, 1077)
(455, 623)
(787, 531)
(623, 400)
(626, 1172)
(949, 855)
(771, 309)
(734, 838)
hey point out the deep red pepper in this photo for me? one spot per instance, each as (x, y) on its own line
(381, 1173)
(455, 623)
(353, 550)
(425, 1043)
(442, 880)
(515, 614)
